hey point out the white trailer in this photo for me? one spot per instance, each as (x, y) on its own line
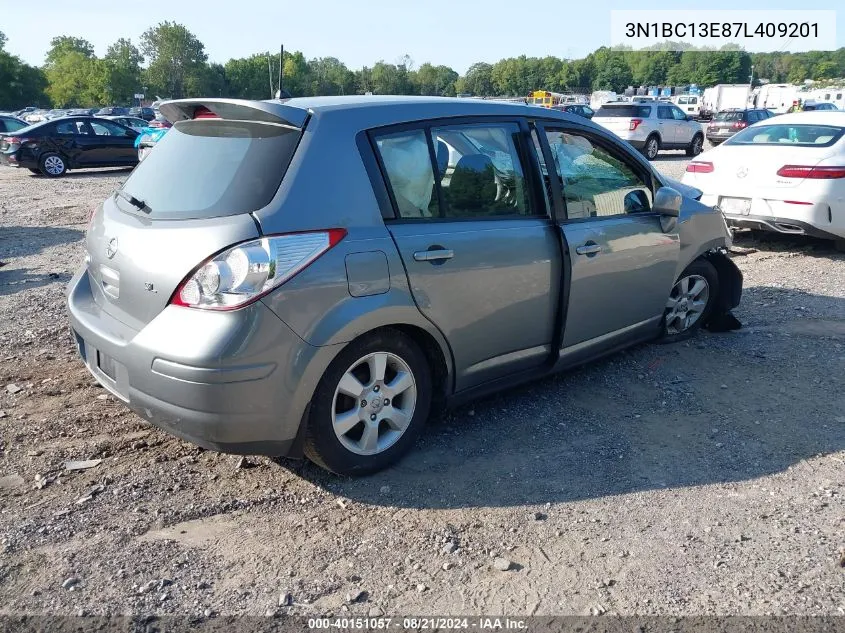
(725, 97)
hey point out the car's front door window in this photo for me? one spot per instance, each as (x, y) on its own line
(595, 182)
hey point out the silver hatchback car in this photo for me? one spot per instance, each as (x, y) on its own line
(317, 275)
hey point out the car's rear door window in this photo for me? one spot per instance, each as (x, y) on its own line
(456, 171)
(482, 174)
(213, 167)
(69, 128)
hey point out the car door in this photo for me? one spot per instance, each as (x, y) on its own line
(480, 251)
(621, 260)
(666, 125)
(114, 144)
(684, 129)
(73, 139)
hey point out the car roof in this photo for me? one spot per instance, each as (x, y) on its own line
(371, 111)
(813, 117)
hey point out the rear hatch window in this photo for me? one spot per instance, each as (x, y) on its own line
(210, 168)
(623, 111)
(730, 116)
(788, 134)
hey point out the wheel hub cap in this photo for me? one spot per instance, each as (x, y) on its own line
(374, 403)
(686, 303)
(377, 404)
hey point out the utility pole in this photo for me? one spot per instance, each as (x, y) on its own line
(281, 65)
(270, 72)
(751, 79)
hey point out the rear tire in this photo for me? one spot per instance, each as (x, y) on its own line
(690, 302)
(52, 165)
(651, 147)
(696, 145)
(365, 431)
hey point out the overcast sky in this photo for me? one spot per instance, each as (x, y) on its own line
(358, 32)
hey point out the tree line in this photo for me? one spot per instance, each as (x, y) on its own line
(172, 62)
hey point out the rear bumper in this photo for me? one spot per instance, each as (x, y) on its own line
(235, 382)
(787, 226)
(819, 219)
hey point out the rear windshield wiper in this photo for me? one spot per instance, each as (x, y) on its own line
(138, 204)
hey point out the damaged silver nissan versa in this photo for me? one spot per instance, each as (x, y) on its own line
(317, 275)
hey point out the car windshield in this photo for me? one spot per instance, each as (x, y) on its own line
(729, 116)
(213, 167)
(801, 135)
(623, 111)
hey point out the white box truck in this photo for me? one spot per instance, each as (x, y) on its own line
(725, 97)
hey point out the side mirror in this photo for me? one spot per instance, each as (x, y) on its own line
(667, 201)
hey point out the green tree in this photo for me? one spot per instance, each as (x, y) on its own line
(247, 77)
(797, 72)
(3, 40)
(826, 69)
(177, 60)
(63, 44)
(75, 78)
(296, 79)
(123, 63)
(20, 84)
(612, 71)
(479, 80)
(330, 76)
(388, 79)
(435, 80)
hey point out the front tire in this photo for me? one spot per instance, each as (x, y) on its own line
(370, 406)
(696, 145)
(651, 147)
(690, 301)
(52, 165)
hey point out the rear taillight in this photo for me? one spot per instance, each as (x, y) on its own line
(634, 124)
(738, 125)
(14, 140)
(246, 272)
(807, 171)
(700, 167)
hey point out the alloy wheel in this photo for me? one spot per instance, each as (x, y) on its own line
(54, 165)
(374, 403)
(652, 148)
(686, 303)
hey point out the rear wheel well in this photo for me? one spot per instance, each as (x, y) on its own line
(436, 362)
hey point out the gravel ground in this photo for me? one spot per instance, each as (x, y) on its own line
(700, 478)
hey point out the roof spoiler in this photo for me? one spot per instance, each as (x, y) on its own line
(238, 109)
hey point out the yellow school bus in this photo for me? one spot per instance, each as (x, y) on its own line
(544, 98)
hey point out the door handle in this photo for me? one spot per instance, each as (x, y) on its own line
(435, 255)
(588, 249)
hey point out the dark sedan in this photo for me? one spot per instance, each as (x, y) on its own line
(53, 147)
(148, 114)
(579, 109)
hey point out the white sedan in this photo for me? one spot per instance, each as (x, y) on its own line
(785, 174)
